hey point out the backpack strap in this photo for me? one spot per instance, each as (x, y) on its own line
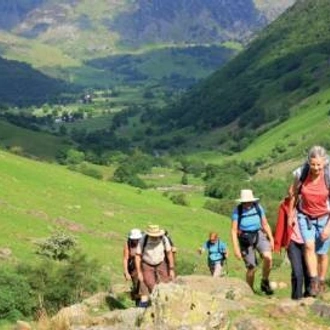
(144, 244)
(303, 176)
(327, 174)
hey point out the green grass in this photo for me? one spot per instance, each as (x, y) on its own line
(40, 198)
(36, 144)
(308, 126)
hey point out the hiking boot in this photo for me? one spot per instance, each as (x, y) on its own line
(322, 286)
(143, 304)
(265, 287)
(314, 288)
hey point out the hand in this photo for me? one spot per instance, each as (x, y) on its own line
(172, 274)
(325, 233)
(127, 276)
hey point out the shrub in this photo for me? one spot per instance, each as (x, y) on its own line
(179, 199)
(92, 172)
(57, 247)
(16, 298)
(224, 207)
(58, 284)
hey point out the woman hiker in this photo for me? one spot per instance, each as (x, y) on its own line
(311, 199)
(130, 271)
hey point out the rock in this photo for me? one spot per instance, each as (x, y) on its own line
(222, 287)
(75, 314)
(5, 253)
(175, 306)
(21, 325)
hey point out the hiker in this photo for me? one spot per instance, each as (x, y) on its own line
(251, 232)
(287, 235)
(311, 199)
(217, 254)
(154, 258)
(129, 254)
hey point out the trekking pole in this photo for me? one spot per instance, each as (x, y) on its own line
(226, 268)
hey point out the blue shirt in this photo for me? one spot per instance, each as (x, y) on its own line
(250, 220)
(215, 250)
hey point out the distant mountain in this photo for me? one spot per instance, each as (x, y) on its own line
(104, 43)
(14, 12)
(97, 28)
(288, 62)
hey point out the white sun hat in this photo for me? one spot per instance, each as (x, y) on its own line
(135, 234)
(247, 196)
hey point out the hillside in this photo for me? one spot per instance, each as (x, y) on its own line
(284, 65)
(41, 198)
(20, 84)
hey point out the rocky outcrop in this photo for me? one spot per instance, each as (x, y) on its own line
(199, 303)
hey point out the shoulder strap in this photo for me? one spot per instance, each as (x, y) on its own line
(220, 250)
(240, 211)
(303, 175)
(164, 241)
(145, 241)
(327, 174)
(304, 172)
(258, 209)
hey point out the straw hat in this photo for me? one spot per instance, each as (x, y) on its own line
(246, 196)
(135, 234)
(154, 231)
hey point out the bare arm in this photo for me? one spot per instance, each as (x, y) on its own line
(293, 192)
(125, 261)
(266, 228)
(234, 233)
(138, 261)
(170, 260)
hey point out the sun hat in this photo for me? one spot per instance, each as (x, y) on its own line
(135, 234)
(154, 231)
(246, 196)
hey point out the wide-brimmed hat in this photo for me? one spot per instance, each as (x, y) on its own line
(246, 196)
(135, 234)
(154, 231)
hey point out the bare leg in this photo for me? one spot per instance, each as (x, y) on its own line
(267, 265)
(250, 277)
(311, 259)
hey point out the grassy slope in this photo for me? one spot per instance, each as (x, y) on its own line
(33, 52)
(37, 144)
(40, 198)
(309, 126)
